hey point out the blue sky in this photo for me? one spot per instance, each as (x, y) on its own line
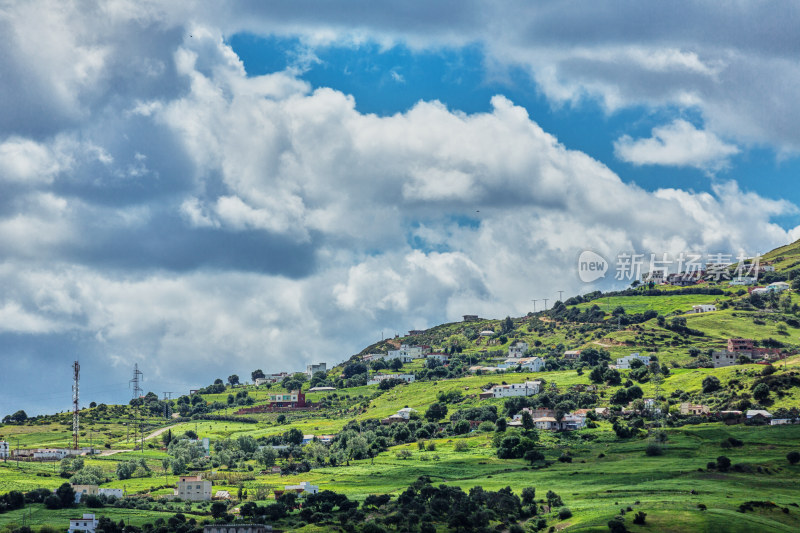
(208, 191)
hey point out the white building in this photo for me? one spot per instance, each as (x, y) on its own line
(193, 488)
(441, 357)
(405, 412)
(87, 524)
(625, 362)
(529, 364)
(518, 349)
(724, 358)
(572, 422)
(703, 308)
(744, 280)
(778, 286)
(55, 454)
(4, 450)
(271, 378)
(377, 378)
(656, 276)
(406, 353)
(312, 369)
(304, 487)
(528, 388)
(751, 413)
(117, 493)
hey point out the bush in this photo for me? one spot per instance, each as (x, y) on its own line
(639, 517)
(461, 446)
(654, 450)
(617, 525)
(711, 384)
(793, 457)
(564, 513)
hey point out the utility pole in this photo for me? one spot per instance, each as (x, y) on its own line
(560, 296)
(76, 369)
(167, 404)
(534, 305)
(137, 393)
(545, 303)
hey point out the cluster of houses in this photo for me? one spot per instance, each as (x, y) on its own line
(545, 419)
(280, 376)
(407, 353)
(42, 454)
(738, 348)
(734, 417)
(624, 363)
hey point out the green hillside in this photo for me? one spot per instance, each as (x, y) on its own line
(671, 467)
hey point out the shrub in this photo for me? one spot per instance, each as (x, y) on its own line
(793, 457)
(702, 506)
(461, 446)
(565, 459)
(564, 513)
(617, 525)
(654, 450)
(639, 517)
(723, 463)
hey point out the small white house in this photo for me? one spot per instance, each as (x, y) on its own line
(304, 487)
(744, 280)
(518, 349)
(87, 524)
(5, 451)
(377, 378)
(441, 357)
(703, 308)
(624, 363)
(406, 353)
(529, 364)
(110, 492)
(752, 413)
(193, 488)
(405, 412)
(778, 286)
(527, 388)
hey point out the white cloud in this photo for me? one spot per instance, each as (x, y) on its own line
(497, 208)
(677, 144)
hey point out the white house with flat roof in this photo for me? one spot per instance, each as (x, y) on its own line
(87, 524)
(117, 493)
(377, 378)
(624, 363)
(528, 388)
(193, 488)
(304, 487)
(518, 349)
(5, 451)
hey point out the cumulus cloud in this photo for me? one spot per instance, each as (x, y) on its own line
(172, 210)
(677, 144)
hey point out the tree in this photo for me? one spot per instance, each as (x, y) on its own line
(436, 412)
(723, 463)
(257, 374)
(793, 457)
(711, 384)
(354, 369)
(218, 509)
(396, 364)
(17, 418)
(507, 325)
(553, 499)
(266, 456)
(761, 392)
(66, 495)
(294, 436)
(233, 379)
(528, 495)
(527, 421)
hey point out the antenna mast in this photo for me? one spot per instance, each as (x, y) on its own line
(76, 369)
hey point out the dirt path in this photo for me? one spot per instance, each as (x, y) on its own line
(157, 432)
(106, 453)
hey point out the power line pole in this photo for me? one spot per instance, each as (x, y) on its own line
(76, 369)
(137, 393)
(560, 296)
(167, 404)
(534, 305)
(545, 303)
